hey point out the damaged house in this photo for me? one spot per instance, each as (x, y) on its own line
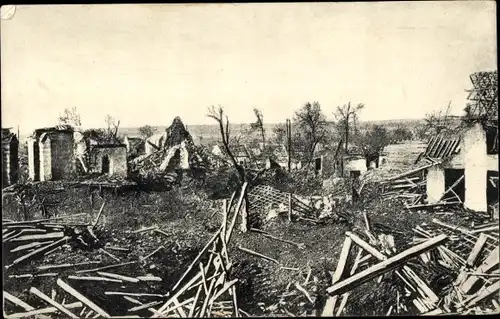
(10, 158)
(136, 146)
(109, 159)
(51, 154)
(467, 168)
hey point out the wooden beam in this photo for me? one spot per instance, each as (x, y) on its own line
(485, 293)
(491, 262)
(38, 251)
(455, 184)
(48, 300)
(478, 247)
(38, 312)
(339, 271)
(386, 265)
(82, 298)
(17, 301)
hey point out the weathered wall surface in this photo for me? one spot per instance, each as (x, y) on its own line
(355, 165)
(45, 159)
(33, 159)
(435, 184)
(62, 155)
(10, 161)
(477, 163)
(117, 160)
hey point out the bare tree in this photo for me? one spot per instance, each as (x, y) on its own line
(147, 131)
(279, 133)
(70, 117)
(347, 115)
(438, 122)
(312, 124)
(112, 126)
(258, 125)
(223, 121)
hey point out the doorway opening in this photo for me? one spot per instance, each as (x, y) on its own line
(455, 178)
(105, 164)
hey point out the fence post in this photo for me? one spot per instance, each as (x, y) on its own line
(289, 207)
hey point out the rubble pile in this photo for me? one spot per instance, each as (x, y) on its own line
(121, 282)
(178, 153)
(447, 269)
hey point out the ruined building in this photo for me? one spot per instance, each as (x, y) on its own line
(109, 159)
(468, 169)
(51, 154)
(468, 159)
(10, 158)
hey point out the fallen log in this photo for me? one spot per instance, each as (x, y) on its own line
(386, 265)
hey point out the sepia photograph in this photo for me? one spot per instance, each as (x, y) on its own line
(295, 159)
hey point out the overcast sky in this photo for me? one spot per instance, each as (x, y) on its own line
(145, 64)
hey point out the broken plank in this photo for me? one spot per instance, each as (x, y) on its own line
(30, 245)
(91, 278)
(37, 312)
(55, 304)
(119, 277)
(45, 267)
(363, 244)
(343, 302)
(481, 241)
(339, 271)
(298, 245)
(144, 306)
(17, 301)
(37, 251)
(55, 235)
(484, 293)
(179, 305)
(99, 214)
(386, 265)
(143, 230)
(329, 306)
(154, 252)
(106, 267)
(226, 287)
(491, 262)
(149, 278)
(134, 294)
(41, 220)
(258, 254)
(109, 254)
(82, 298)
(301, 289)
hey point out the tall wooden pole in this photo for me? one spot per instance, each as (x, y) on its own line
(289, 142)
